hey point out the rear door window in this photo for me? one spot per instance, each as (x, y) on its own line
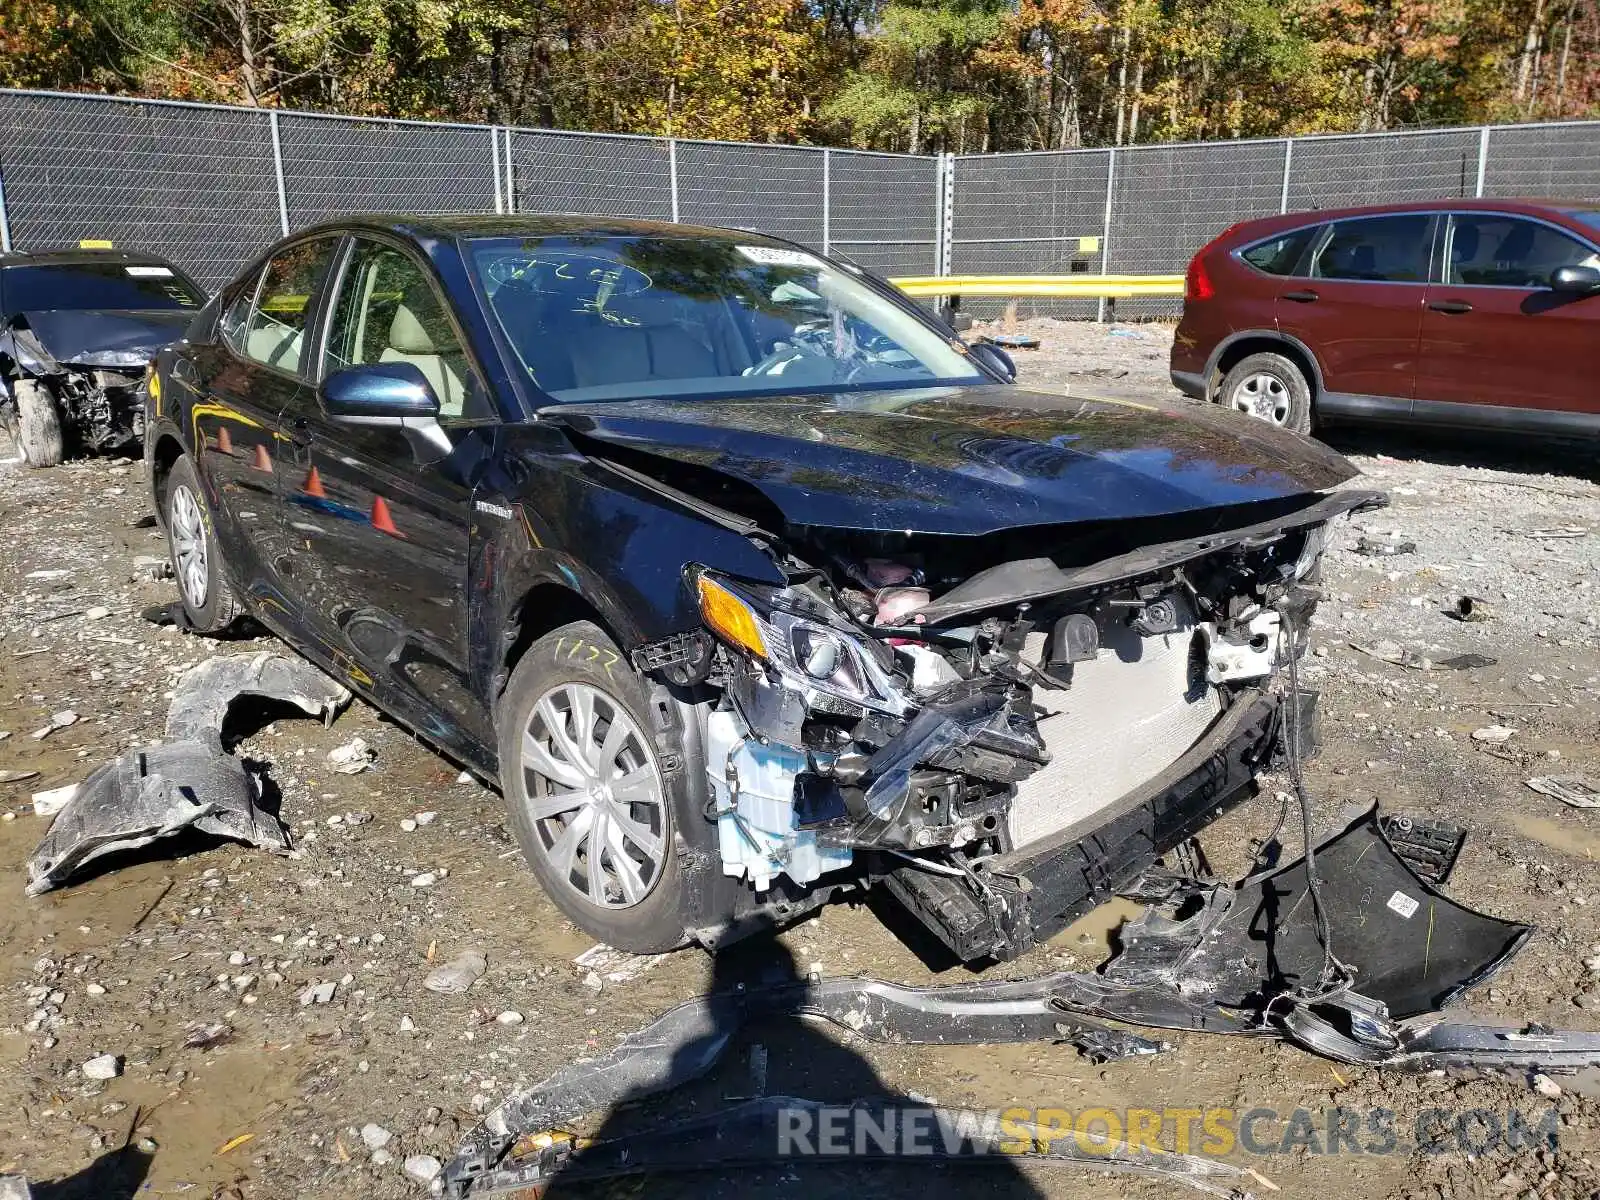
(1280, 255)
(277, 331)
(1376, 249)
(1497, 250)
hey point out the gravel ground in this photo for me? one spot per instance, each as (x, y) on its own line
(161, 946)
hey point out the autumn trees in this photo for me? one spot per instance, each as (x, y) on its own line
(918, 75)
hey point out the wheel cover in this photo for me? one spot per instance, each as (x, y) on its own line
(1264, 397)
(594, 796)
(187, 529)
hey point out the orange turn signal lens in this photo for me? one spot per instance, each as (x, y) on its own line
(729, 617)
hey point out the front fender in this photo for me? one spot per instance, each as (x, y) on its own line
(545, 518)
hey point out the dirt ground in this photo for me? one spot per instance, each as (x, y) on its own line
(160, 945)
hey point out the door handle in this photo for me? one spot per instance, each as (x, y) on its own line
(1305, 297)
(1450, 306)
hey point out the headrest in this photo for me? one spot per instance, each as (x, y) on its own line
(1464, 245)
(407, 335)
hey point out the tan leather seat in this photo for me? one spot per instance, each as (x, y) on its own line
(409, 341)
(275, 344)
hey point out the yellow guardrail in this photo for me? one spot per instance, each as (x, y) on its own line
(1109, 287)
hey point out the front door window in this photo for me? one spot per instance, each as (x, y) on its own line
(389, 312)
(1495, 250)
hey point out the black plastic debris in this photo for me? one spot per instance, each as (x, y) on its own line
(1246, 959)
(191, 780)
(150, 794)
(171, 613)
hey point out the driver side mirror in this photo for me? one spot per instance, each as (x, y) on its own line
(1575, 281)
(394, 395)
(995, 359)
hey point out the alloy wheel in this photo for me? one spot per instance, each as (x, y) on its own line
(594, 796)
(1264, 397)
(188, 532)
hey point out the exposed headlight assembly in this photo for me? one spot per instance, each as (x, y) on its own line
(1311, 552)
(825, 664)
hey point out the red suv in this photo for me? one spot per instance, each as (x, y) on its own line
(1465, 313)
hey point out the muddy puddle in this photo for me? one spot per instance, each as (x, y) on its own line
(1575, 836)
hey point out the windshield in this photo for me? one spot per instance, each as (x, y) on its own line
(600, 318)
(96, 285)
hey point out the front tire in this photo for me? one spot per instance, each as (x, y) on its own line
(208, 600)
(1270, 388)
(581, 773)
(38, 424)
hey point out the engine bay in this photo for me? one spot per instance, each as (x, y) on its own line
(899, 720)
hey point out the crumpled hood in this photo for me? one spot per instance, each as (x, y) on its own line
(115, 338)
(970, 460)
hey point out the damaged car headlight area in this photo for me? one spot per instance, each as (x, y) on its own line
(998, 748)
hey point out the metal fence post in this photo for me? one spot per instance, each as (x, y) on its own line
(945, 177)
(1483, 158)
(277, 168)
(827, 188)
(5, 219)
(1288, 159)
(494, 153)
(510, 169)
(1105, 230)
(672, 174)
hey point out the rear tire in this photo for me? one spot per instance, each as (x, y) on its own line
(192, 545)
(1269, 388)
(580, 752)
(38, 424)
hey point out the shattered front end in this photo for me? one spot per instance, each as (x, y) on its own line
(998, 745)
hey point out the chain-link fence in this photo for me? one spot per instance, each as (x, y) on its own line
(194, 184)
(1148, 209)
(208, 185)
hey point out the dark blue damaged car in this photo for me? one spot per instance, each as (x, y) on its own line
(78, 329)
(746, 582)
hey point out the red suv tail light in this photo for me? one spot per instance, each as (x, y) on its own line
(1197, 283)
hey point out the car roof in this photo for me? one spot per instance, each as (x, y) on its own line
(80, 258)
(1513, 204)
(470, 225)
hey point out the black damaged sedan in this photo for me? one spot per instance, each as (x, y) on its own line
(745, 580)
